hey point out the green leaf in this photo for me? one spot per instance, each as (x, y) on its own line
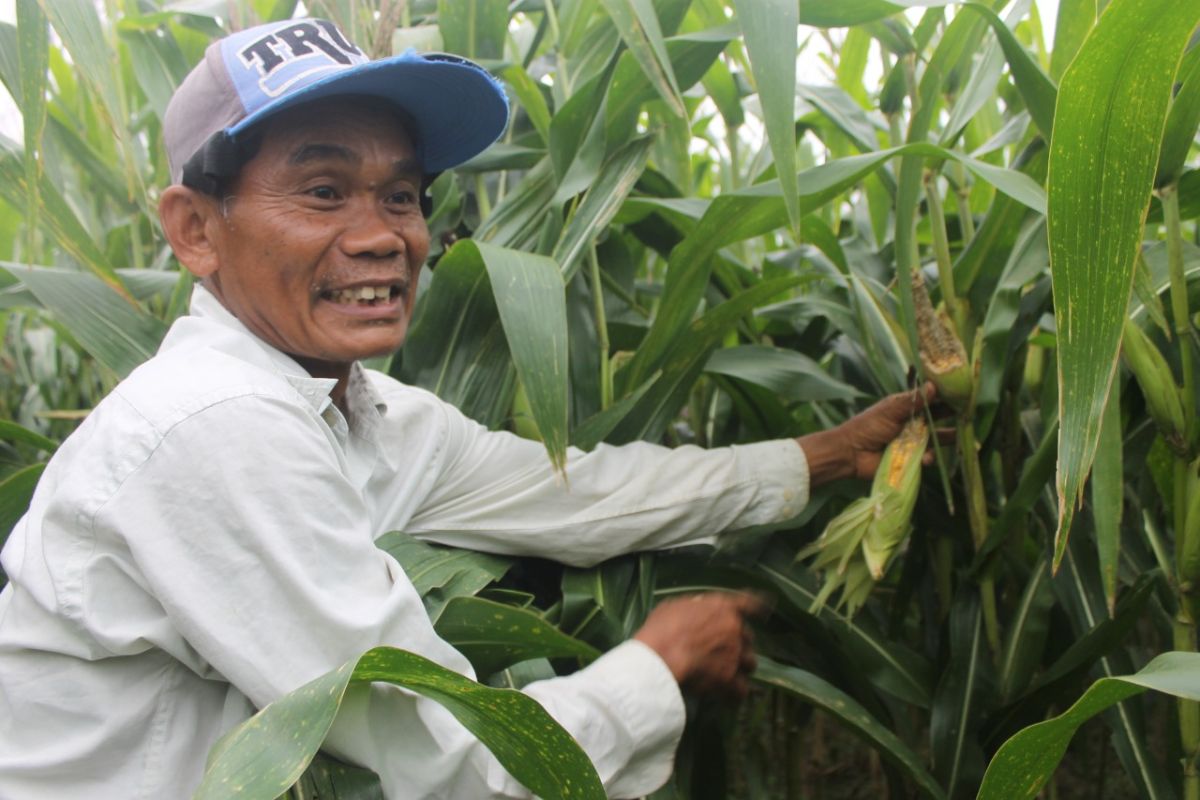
(888, 664)
(793, 376)
(604, 198)
(439, 573)
(530, 298)
(1036, 88)
(494, 636)
(473, 28)
(1108, 494)
(12, 432)
(1076, 18)
(1026, 633)
(16, 490)
(595, 429)
(261, 758)
(960, 693)
(33, 57)
(1027, 760)
(530, 98)
(117, 334)
(769, 33)
(58, 218)
(637, 23)
(845, 708)
(326, 777)
(683, 362)
(734, 216)
(1108, 126)
(844, 13)
(1182, 121)
(691, 55)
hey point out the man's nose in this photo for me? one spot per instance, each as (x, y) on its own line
(372, 231)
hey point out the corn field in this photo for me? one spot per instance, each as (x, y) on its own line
(715, 248)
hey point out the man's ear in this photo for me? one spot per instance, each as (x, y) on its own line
(189, 220)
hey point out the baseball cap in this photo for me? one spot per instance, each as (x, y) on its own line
(456, 107)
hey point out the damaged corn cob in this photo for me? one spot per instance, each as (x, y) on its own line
(1158, 386)
(871, 527)
(942, 354)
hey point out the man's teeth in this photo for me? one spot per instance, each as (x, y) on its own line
(366, 294)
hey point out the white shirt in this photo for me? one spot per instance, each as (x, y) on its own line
(204, 543)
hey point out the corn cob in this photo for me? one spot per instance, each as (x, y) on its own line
(1154, 376)
(942, 354)
(873, 526)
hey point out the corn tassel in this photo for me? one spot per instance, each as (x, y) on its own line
(942, 353)
(872, 526)
(1154, 376)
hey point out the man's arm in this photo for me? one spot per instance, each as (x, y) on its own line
(243, 527)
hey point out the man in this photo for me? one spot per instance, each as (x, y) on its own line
(204, 543)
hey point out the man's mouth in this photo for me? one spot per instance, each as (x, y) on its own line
(363, 295)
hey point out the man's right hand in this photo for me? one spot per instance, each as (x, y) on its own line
(705, 641)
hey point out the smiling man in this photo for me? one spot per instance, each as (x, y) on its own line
(204, 543)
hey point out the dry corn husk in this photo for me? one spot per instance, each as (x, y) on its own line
(1154, 375)
(856, 546)
(942, 353)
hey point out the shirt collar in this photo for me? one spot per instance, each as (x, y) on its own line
(361, 396)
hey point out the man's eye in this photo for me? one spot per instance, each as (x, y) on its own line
(323, 192)
(402, 198)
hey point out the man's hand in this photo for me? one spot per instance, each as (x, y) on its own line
(854, 448)
(705, 641)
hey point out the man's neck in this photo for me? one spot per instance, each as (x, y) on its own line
(327, 369)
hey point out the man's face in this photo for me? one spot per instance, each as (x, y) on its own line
(322, 238)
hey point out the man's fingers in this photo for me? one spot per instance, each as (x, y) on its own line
(753, 605)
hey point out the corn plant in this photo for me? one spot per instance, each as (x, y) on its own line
(681, 239)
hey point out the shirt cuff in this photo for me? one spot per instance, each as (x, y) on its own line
(647, 699)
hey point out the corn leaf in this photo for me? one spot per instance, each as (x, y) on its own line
(1026, 633)
(637, 23)
(769, 32)
(749, 212)
(58, 218)
(1027, 760)
(12, 432)
(888, 664)
(473, 28)
(792, 375)
(617, 177)
(261, 758)
(33, 56)
(685, 360)
(1076, 18)
(843, 13)
(845, 708)
(1108, 495)
(1182, 121)
(118, 334)
(530, 298)
(494, 636)
(16, 490)
(960, 694)
(1035, 87)
(1108, 127)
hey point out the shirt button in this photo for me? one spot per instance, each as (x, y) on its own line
(788, 494)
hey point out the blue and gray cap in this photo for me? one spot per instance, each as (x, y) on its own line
(457, 108)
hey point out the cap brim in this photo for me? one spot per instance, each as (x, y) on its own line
(458, 108)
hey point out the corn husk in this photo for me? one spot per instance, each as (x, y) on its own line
(858, 544)
(943, 356)
(1154, 376)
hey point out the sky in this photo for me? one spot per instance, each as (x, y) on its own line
(10, 118)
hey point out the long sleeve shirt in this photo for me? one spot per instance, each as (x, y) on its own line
(204, 543)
